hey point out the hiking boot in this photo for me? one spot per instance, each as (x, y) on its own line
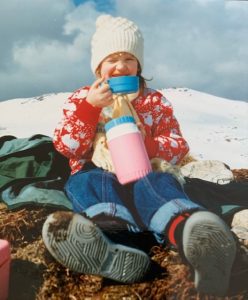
(120, 231)
(78, 244)
(210, 248)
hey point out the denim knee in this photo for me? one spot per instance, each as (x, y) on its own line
(97, 192)
(159, 198)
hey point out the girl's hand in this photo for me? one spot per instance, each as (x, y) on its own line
(99, 94)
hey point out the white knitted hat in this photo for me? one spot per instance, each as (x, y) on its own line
(115, 35)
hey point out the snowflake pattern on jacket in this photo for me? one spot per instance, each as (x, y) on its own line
(74, 135)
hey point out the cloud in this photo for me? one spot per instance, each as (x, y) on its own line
(200, 44)
(48, 59)
(190, 40)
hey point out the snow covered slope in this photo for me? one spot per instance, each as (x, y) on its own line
(215, 128)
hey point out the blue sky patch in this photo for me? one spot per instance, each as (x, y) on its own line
(104, 6)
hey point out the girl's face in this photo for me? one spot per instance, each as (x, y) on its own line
(119, 64)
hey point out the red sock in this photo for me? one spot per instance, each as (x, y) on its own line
(174, 225)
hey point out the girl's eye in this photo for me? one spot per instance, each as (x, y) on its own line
(115, 60)
(111, 61)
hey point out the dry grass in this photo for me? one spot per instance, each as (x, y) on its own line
(35, 275)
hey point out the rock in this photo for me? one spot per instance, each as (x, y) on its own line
(240, 219)
(209, 170)
(240, 226)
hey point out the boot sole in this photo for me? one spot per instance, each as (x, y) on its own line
(210, 248)
(83, 248)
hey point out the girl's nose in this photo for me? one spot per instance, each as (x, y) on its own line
(121, 65)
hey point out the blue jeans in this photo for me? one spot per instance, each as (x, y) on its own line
(150, 203)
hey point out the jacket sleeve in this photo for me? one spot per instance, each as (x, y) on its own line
(165, 139)
(74, 135)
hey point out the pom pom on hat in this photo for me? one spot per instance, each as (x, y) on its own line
(102, 20)
(115, 35)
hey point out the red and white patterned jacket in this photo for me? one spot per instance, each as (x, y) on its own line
(75, 133)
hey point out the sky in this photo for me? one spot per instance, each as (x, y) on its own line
(198, 44)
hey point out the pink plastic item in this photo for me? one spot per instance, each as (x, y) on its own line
(127, 149)
(4, 269)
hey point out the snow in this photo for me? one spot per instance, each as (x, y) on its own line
(24, 117)
(215, 128)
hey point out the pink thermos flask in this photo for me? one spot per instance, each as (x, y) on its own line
(127, 149)
(4, 269)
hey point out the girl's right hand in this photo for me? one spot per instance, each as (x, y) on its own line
(99, 94)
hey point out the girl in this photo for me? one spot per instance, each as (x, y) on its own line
(154, 203)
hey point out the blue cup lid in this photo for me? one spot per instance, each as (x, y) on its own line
(119, 121)
(124, 84)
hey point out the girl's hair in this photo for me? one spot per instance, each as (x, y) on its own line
(142, 80)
